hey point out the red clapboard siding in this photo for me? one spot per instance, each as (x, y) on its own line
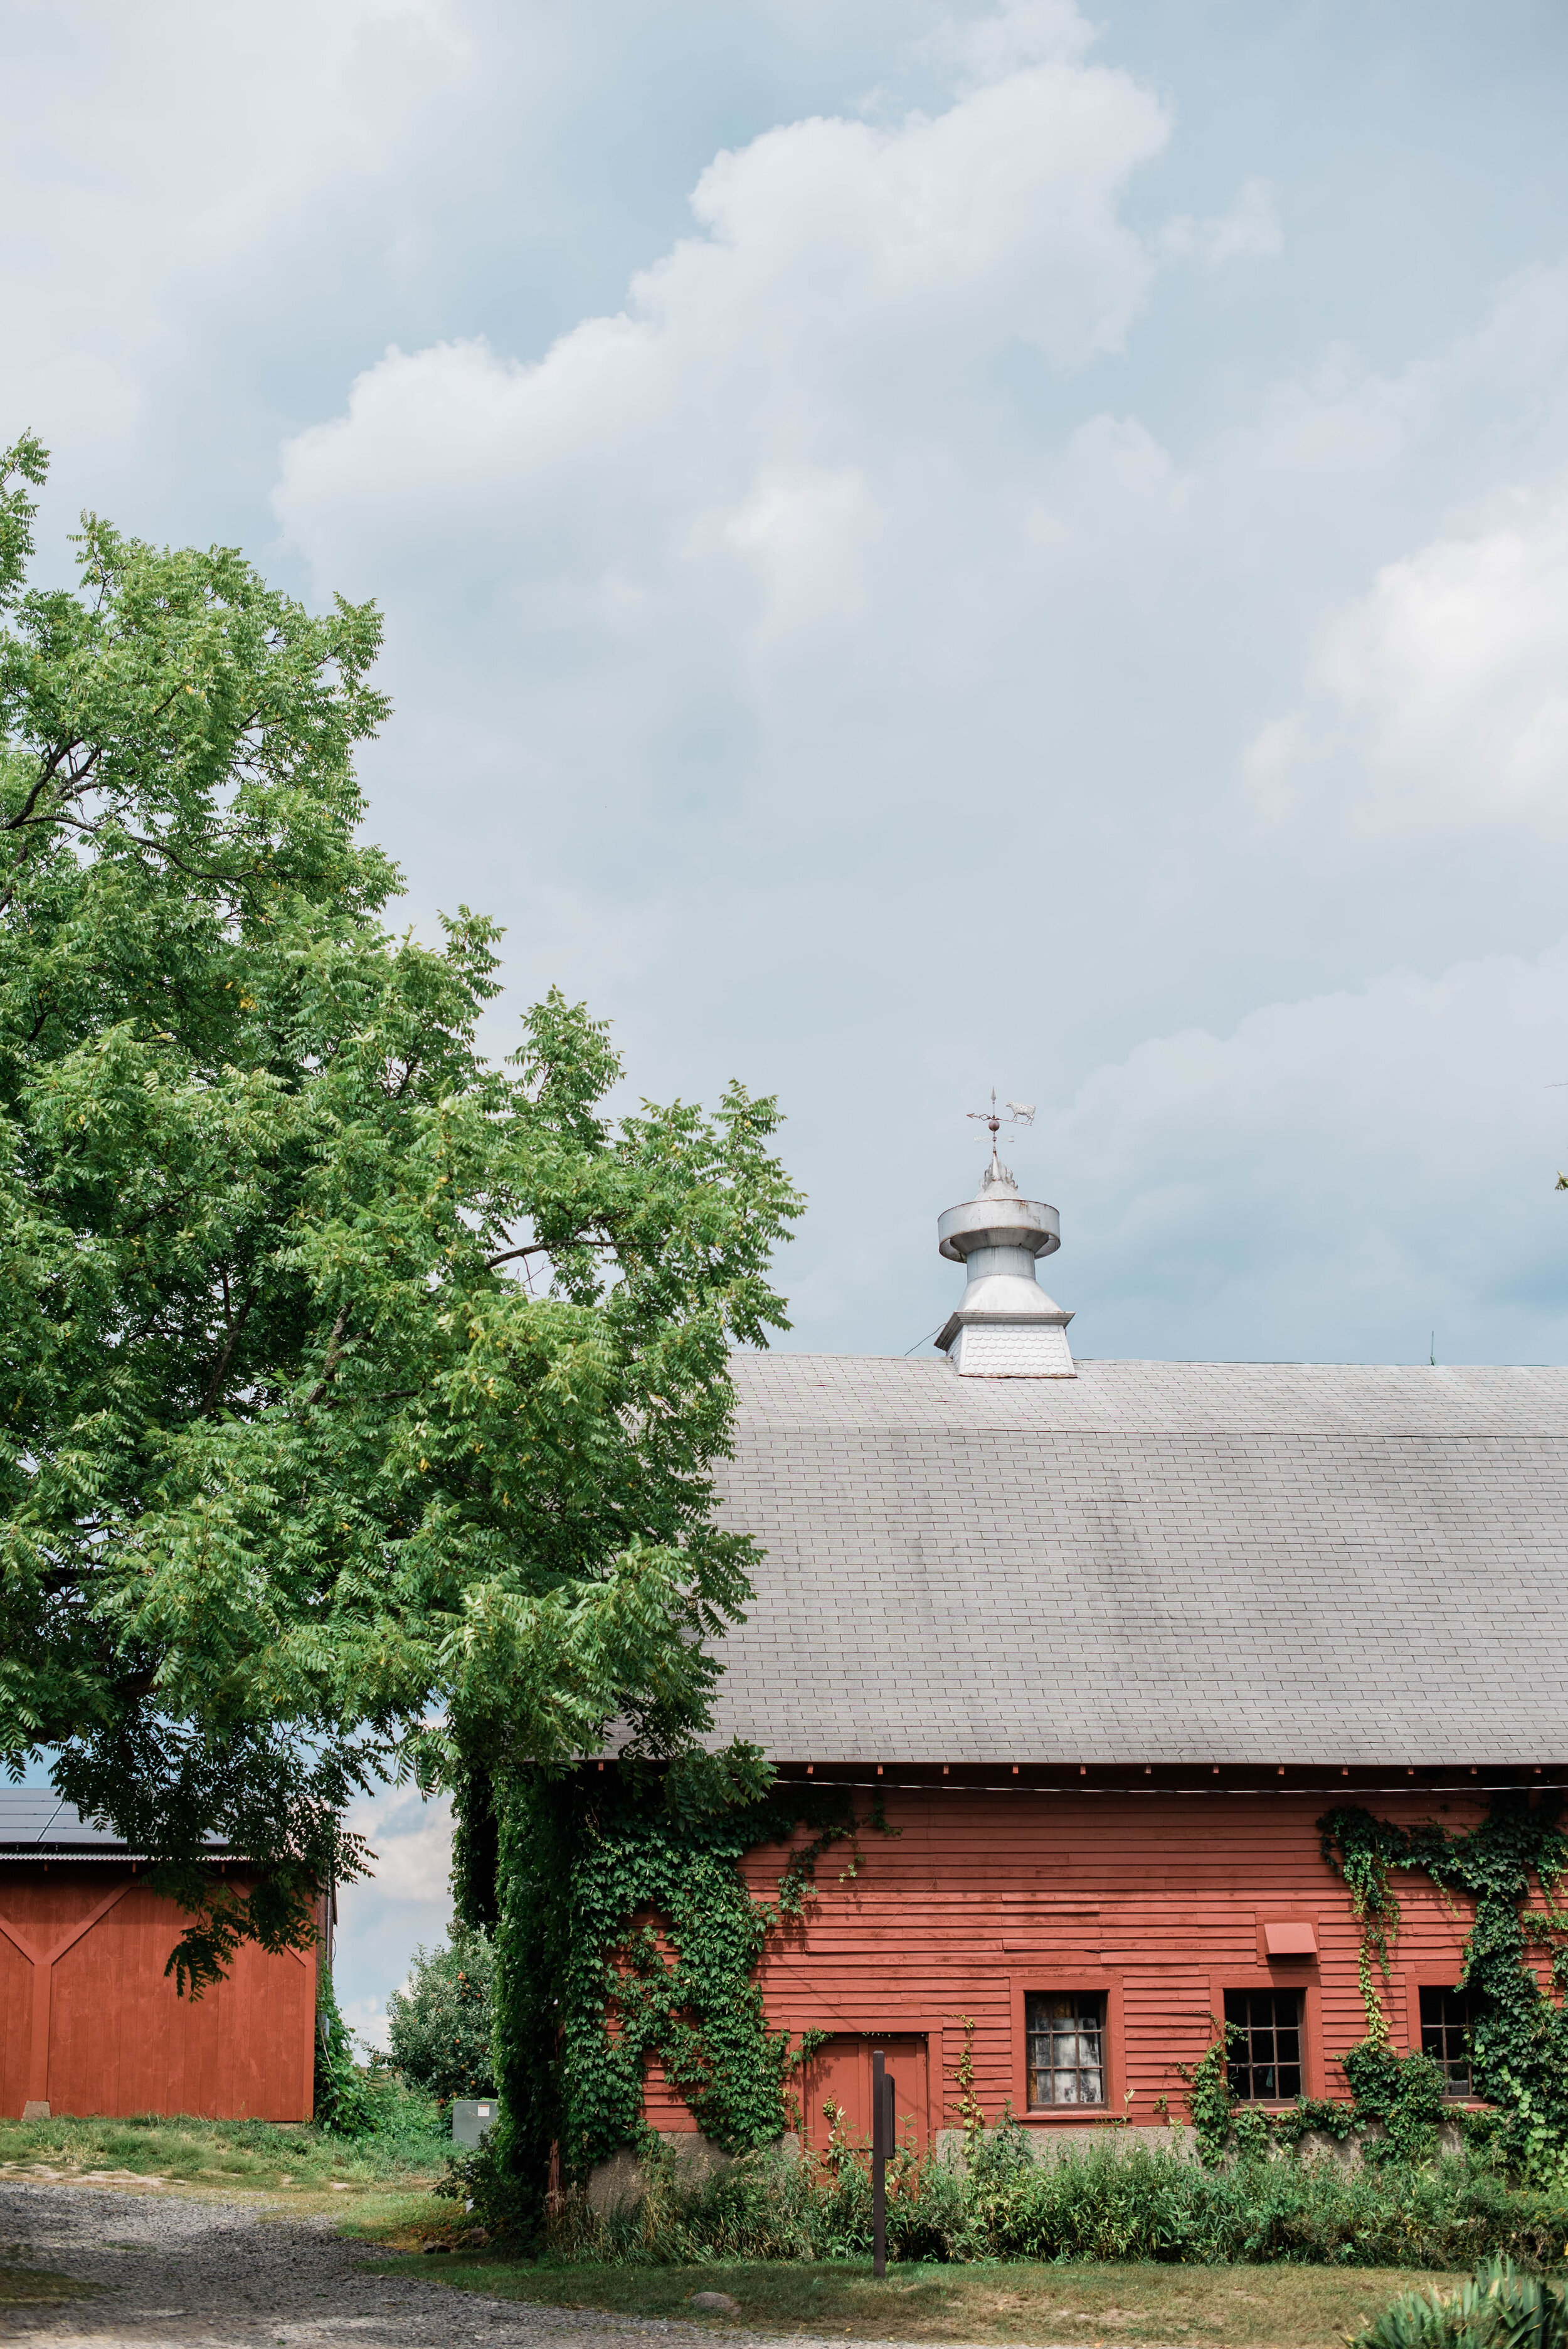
(90, 2023)
(1155, 1902)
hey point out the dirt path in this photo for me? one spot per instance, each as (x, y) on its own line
(176, 2275)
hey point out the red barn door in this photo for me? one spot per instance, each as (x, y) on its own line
(840, 2074)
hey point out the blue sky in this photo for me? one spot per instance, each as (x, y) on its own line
(923, 546)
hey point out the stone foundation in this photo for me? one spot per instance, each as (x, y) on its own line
(1080, 2136)
(620, 2179)
(697, 2157)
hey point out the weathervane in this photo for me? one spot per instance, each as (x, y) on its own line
(1021, 1113)
(1017, 1113)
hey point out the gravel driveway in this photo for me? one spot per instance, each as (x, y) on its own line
(204, 2275)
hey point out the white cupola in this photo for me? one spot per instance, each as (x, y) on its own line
(1005, 1326)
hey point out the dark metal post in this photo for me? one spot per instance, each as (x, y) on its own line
(881, 2146)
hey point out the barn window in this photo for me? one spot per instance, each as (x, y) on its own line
(1065, 2032)
(1446, 2019)
(1263, 2065)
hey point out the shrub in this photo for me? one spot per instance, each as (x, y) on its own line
(1118, 2200)
(343, 2103)
(1497, 2308)
(1138, 2202)
(369, 2100)
(440, 2025)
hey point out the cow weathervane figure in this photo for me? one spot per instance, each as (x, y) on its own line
(1020, 1113)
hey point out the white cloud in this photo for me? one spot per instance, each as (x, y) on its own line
(1433, 700)
(406, 1902)
(1456, 667)
(1020, 33)
(1439, 699)
(173, 186)
(850, 290)
(1249, 231)
(1334, 1178)
(704, 562)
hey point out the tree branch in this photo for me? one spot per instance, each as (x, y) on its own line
(333, 1356)
(540, 1248)
(156, 847)
(210, 1401)
(46, 775)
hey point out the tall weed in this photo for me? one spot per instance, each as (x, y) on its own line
(1116, 2202)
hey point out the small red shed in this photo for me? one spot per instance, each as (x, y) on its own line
(90, 2023)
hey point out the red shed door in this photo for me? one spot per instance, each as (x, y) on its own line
(840, 2074)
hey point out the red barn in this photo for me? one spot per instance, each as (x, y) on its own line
(88, 2020)
(1108, 1638)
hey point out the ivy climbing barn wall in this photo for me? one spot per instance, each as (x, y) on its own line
(1156, 1901)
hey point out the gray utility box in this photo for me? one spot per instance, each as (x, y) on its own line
(471, 2117)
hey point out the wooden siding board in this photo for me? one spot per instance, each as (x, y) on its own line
(15, 2026)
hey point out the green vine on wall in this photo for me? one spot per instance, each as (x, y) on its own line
(1510, 1866)
(1210, 2106)
(1516, 1856)
(627, 1932)
(1403, 2095)
(971, 2111)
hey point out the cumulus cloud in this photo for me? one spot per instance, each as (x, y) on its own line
(1020, 33)
(730, 569)
(1249, 230)
(1334, 1178)
(1442, 695)
(405, 1901)
(852, 287)
(1433, 700)
(168, 158)
(1456, 667)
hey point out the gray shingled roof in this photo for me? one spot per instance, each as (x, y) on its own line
(1231, 1562)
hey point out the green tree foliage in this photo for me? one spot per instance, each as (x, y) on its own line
(345, 2098)
(440, 2025)
(351, 1382)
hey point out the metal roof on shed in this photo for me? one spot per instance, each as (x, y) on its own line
(1221, 1562)
(36, 1825)
(33, 1819)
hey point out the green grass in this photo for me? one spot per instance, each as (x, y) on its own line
(249, 2157)
(1281, 2307)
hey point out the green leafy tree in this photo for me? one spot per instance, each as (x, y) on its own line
(352, 1383)
(440, 2025)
